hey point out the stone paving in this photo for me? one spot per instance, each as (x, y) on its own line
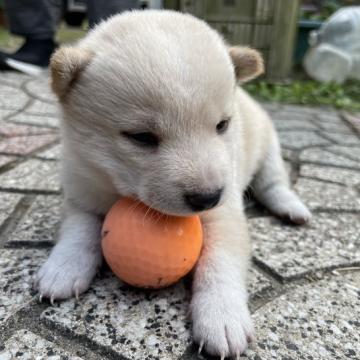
(304, 282)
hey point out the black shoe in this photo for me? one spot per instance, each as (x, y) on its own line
(32, 57)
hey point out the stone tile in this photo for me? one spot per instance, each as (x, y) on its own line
(257, 282)
(331, 126)
(327, 241)
(316, 321)
(41, 221)
(5, 113)
(24, 145)
(54, 153)
(133, 323)
(12, 98)
(43, 109)
(296, 140)
(319, 195)
(324, 157)
(13, 78)
(8, 202)
(16, 270)
(284, 124)
(40, 88)
(291, 116)
(32, 175)
(38, 120)
(25, 345)
(353, 120)
(341, 176)
(342, 139)
(10, 130)
(328, 116)
(348, 151)
(271, 107)
(4, 160)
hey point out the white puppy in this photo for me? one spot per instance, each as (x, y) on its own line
(152, 110)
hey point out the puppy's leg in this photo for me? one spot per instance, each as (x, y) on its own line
(220, 315)
(272, 187)
(75, 258)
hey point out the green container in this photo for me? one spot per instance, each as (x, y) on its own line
(302, 41)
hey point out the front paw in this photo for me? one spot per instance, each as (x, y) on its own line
(64, 275)
(221, 322)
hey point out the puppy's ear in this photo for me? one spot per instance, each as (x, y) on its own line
(65, 65)
(248, 63)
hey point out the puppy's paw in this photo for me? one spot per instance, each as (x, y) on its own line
(294, 210)
(221, 323)
(283, 202)
(63, 276)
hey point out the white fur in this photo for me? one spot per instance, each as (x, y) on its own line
(170, 74)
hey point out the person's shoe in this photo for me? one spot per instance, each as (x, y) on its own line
(32, 57)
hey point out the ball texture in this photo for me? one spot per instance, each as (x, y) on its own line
(148, 249)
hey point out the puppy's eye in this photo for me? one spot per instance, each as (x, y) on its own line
(222, 126)
(144, 138)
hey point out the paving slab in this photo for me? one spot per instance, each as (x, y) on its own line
(33, 119)
(8, 204)
(25, 345)
(54, 153)
(319, 195)
(24, 145)
(41, 108)
(318, 321)
(13, 78)
(12, 98)
(16, 270)
(339, 127)
(134, 323)
(342, 139)
(10, 130)
(352, 152)
(40, 223)
(327, 241)
(32, 174)
(39, 88)
(299, 124)
(324, 156)
(5, 113)
(331, 174)
(297, 140)
(353, 120)
(4, 160)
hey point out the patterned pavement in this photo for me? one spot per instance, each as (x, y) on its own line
(304, 282)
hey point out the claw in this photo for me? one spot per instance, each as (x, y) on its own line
(77, 294)
(222, 357)
(40, 298)
(52, 300)
(201, 345)
(237, 356)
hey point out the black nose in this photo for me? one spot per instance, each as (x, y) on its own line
(203, 201)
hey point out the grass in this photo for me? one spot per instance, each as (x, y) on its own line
(308, 92)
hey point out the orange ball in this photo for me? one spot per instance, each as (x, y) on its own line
(148, 249)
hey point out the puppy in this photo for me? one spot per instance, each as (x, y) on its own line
(152, 110)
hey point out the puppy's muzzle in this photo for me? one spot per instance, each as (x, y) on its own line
(203, 201)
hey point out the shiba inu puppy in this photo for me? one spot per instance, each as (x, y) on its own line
(152, 109)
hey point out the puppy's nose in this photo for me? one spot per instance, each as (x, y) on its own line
(203, 201)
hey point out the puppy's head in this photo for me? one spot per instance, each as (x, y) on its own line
(148, 100)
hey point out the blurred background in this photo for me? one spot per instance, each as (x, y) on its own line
(287, 32)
